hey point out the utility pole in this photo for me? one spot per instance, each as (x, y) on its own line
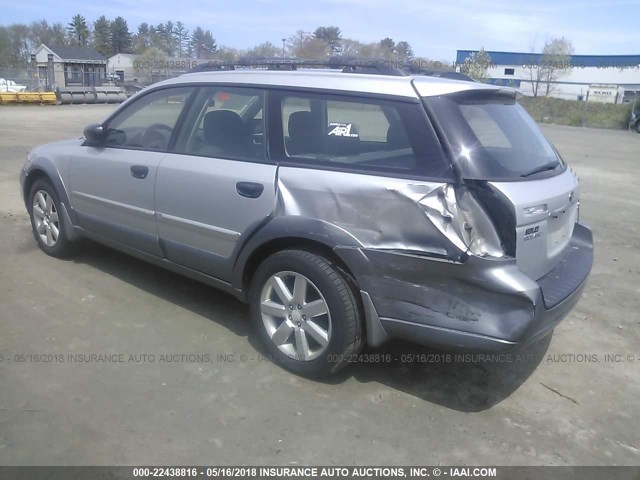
(283, 44)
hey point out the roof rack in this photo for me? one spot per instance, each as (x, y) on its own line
(378, 66)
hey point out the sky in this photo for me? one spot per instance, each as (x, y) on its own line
(435, 29)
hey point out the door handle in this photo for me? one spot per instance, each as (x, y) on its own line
(139, 171)
(249, 189)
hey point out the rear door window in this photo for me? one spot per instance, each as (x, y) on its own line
(370, 119)
(360, 134)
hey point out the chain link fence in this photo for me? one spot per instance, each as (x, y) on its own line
(12, 78)
(42, 78)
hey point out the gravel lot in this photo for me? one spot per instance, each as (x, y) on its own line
(567, 406)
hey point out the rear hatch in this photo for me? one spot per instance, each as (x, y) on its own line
(546, 212)
(497, 144)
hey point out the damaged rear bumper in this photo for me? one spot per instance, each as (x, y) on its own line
(480, 304)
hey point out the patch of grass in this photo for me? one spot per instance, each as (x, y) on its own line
(577, 114)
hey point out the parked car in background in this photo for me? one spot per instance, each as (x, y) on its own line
(11, 86)
(346, 208)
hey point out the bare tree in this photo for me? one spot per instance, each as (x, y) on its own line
(532, 65)
(307, 46)
(228, 54)
(547, 68)
(370, 50)
(556, 61)
(149, 61)
(350, 47)
(266, 49)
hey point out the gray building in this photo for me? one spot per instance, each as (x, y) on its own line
(63, 66)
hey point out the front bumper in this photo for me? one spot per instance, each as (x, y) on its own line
(476, 305)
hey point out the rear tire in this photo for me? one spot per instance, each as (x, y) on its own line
(47, 222)
(638, 127)
(305, 313)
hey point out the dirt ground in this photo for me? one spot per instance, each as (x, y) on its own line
(193, 389)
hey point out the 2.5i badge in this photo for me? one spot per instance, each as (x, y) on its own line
(532, 232)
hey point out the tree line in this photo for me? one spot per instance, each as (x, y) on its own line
(173, 39)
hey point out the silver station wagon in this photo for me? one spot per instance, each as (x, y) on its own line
(346, 208)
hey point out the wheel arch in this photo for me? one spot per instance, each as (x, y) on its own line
(38, 172)
(283, 233)
(44, 168)
(30, 179)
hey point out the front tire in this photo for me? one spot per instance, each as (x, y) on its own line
(306, 313)
(49, 228)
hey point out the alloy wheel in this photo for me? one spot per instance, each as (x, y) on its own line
(45, 218)
(295, 315)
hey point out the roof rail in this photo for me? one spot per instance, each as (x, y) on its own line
(378, 66)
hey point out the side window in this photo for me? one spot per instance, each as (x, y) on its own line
(364, 134)
(226, 123)
(148, 123)
(292, 105)
(369, 118)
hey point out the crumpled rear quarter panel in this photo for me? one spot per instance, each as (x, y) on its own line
(377, 212)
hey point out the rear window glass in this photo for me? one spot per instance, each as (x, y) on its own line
(493, 137)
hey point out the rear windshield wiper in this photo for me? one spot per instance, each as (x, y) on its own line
(542, 168)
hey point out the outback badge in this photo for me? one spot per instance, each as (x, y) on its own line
(532, 232)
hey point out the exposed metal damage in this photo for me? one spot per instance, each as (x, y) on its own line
(367, 208)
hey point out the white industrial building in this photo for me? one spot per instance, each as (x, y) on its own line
(598, 78)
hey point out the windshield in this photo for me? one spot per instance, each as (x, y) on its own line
(493, 137)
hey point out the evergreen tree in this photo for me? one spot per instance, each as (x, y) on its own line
(102, 36)
(266, 49)
(182, 39)
(142, 39)
(78, 31)
(404, 51)
(120, 36)
(203, 44)
(331, 35)
(387, 47)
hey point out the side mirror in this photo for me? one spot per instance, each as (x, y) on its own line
(94, 134)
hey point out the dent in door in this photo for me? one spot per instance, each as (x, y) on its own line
(376, 212)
